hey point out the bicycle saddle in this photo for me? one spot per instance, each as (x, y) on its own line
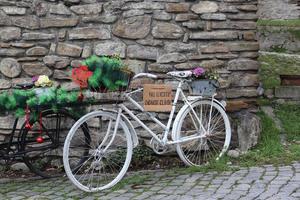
(181, 74)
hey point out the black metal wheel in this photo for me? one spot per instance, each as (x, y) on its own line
(42, 145)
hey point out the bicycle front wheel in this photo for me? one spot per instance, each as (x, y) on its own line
(110, 151)
(208, 123)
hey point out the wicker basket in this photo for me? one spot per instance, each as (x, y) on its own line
(205, 87)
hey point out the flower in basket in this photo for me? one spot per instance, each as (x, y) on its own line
(201, 73)
(198, 72)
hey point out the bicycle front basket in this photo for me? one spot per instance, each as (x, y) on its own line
(205, 87)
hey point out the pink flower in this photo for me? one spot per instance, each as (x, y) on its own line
(199, 71)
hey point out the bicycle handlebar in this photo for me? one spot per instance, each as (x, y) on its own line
(148, 75)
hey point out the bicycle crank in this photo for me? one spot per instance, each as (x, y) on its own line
(157, 147)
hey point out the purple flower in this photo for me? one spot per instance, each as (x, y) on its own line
(199, 71)
(34, 79)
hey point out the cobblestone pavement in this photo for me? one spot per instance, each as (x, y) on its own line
(266, 182)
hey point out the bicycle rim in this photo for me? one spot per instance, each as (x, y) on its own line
(109, 154)
(212, 128)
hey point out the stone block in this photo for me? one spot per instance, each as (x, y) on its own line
(107, 19)
(162, 68)
(241, 92)
(61, 75)
(243, 64)
(177, 7)
(240, 25)
(65, 49)
(244, 80)
(38, 36)
(205, 7)
(13, 10)
(110, 48)
(34, 69)
(214, 16)
(287, 92)
(142, 52)
(136, 27)
(214, 35)
(150, 42)
(243, 46)
(10, 33)
(89, 33)
(87, 51)
(136, 66)
(59, 9)
(88, 9)
(10, 67)
(185, 17)
(172, 57)
(12, 52)
(247, 8)
(58, 22)
(219, 47)
(161, 15)
(145, 5)
(5, 84)
(28, 22)
(212, 63)
(37, 51)
(180, 47)
(194, 24)
(132, 13)
(243, 16)
(249, 35)
(56, 61)
(164, 30)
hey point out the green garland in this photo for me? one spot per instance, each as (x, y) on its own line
(109, 73)
(17, 100)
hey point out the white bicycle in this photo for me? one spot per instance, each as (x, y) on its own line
(98, 149)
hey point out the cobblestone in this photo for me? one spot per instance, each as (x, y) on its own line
(259, 183)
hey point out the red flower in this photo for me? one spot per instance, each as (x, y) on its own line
(81, 75)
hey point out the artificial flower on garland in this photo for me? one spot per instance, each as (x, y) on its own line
(102, 73)
(42, 81)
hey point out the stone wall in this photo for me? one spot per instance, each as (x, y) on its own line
(46, 36)
(279, 38)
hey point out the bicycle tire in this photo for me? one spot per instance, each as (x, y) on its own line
(215, 140)
(109, 155)
(45, 159)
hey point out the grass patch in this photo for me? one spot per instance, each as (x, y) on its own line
(220, 165)
(289, 115)
(279, 22)
(131, 180)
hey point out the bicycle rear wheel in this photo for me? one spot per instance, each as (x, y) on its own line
(209, 122)
(110, 151)
(45, 159)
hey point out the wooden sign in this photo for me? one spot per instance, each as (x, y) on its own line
(157, 97)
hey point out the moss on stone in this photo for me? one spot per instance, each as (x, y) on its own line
(279, 49)
(279, 22)
(274, 64)
(295, 33)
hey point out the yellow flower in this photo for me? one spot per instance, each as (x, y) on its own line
(43, 81)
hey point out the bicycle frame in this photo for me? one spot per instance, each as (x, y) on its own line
(164, 141)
